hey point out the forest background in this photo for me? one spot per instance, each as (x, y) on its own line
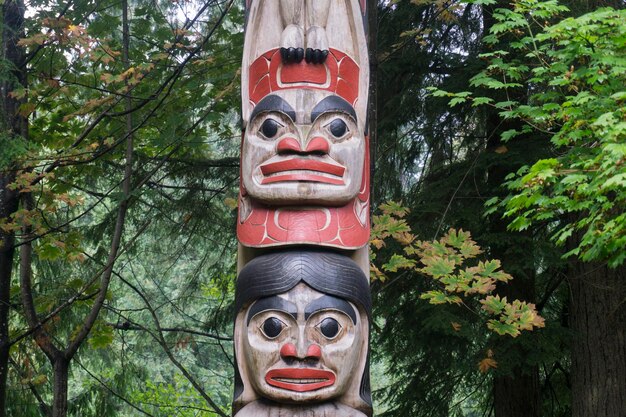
(118, 186)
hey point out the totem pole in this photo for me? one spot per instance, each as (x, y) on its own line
(302, 296)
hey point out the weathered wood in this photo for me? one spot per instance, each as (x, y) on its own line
(301, 335)
(305, 154)
(269, 409)
(302, 325)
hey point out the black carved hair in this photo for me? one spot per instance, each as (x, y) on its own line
(326, 272)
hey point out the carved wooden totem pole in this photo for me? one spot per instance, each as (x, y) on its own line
(302, 296)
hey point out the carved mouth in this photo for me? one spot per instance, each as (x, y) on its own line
(299, 169)
(300, 379)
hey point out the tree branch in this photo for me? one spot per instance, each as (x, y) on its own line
(128, 326)
(123, 208)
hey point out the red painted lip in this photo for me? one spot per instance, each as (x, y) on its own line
(300, 379)
(302, 177)
(298, 164)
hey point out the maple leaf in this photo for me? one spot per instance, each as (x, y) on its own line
(437, 267)
(398, 262)
(394, 208)
(486, 364)
(405, 238)
(377, 274)
(439, 297)
(503, 327)
(494, 304)
(377, 243)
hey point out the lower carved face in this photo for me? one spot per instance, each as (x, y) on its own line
(305, 147)
(303, 346)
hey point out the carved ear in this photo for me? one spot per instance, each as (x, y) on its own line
(243, 393)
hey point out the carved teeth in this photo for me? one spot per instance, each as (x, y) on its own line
(302, 171)
(301, 381)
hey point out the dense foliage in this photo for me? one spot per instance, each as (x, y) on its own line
(124, 176)
(575, 71)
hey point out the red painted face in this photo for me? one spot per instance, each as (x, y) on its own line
(303, 346)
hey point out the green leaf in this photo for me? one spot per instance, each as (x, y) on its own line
(398, 262)
(394, 208)
(494, 304)
(503, 328)
(616, 181)
(457, 100)
(619, 96)
(479, 101)
(509, 134)
(439, 297)
(492, 201)
(101, 336)
(438, 267)
(480, 2)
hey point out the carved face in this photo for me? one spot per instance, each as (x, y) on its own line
(313, 155)
(303, 346)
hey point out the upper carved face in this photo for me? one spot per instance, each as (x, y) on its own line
(303, 346)
(312, 155)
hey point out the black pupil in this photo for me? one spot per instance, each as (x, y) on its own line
(329, 327)
(269, 128)
(272, 327)
(338, 128)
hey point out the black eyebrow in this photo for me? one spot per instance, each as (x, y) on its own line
(272, 303)
(332, 104)
(329, 302)
(274, 103)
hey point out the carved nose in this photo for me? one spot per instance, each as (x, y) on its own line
(291, 145)
(289, 351)
(288, 145)
(314, 352)
(318, 144)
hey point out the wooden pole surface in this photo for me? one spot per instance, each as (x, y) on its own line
(302, 296)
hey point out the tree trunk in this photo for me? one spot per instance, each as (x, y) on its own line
(512, 393)
(597, 317)
(518, 393)
(11, 123)
(61, 374)
(598, 321)
(8, 205)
